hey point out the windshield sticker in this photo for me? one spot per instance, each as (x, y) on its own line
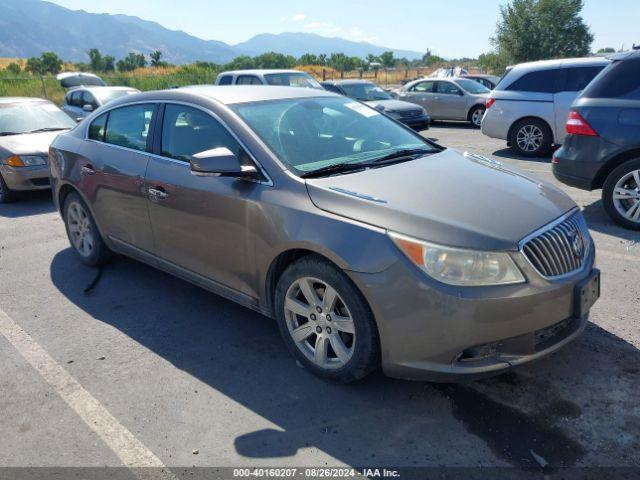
(362, 109)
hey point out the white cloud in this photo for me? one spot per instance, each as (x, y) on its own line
(298, 17)
(327, 28)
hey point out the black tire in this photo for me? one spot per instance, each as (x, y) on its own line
(6, 195)
(608, 188)
(365, 356)
(535, 124)
(99, 253)
(476, 111)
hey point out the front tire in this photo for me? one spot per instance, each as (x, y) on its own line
(531, 137)
(325, 321)
(621, 194)
(83, 233)
(476, 115)
(6, 195)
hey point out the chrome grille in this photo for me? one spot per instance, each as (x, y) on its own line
(410, 113)
(561, 249)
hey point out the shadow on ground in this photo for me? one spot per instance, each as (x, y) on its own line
(570, 408)
(599, 221)
(27, 204)
(508, 153)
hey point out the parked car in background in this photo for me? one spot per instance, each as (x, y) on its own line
(410, 114)
(530, 105)
(489, 81)
(80, 101)
(447, 98)
(27, 127)
(276, 78)
(369, 244)
(602, 148)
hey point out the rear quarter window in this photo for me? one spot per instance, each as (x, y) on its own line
(542, 81)
(577, 78)
(619, 80)
(225, 80)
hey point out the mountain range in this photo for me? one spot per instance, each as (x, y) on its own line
(29, 27)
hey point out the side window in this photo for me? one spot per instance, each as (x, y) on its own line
(225, 80)
(76, 99)
(187, 131)
(332, 88)
(96, 129)
(422, 87)
(621, 79)
(88, 99)
(248, 80)
(577, 78)
(129, 126)
(543, 81)
(447, 88)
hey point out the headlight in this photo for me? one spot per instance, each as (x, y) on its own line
(460, 267)
(26, 161)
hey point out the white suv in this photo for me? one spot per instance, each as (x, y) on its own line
(530, 106)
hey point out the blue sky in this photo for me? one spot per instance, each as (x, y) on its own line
(451, 28)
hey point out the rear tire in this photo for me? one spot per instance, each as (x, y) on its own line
(6, 195)
(476, 114)
(83, 233)
(621, 194)
(325, 321)
(531, 137)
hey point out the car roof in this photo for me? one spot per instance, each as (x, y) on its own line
(101, 89)
(561, 62)
(258, 71)
(347, 82)
(23, 100)
(229, 95)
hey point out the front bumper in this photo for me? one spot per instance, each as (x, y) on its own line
(26, 178)
(429, 331)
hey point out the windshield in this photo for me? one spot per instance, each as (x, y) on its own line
(292, 80)
(308, 134)
(365, 91)
(17, 118)
(108, 96)
(472, 86)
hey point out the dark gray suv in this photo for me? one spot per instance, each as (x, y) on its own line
(602, 149)
(369, 244)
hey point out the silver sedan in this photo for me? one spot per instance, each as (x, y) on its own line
(447, 98)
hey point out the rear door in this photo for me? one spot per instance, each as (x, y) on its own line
(571, 81)
(200, 223)
(112, 175)
(422, 94)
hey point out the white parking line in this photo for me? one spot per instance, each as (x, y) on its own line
(124, 444)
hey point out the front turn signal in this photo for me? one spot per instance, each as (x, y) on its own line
(15, 161)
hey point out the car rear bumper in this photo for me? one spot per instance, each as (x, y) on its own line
(433, 332)
(26, 178)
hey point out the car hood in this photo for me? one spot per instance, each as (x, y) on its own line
(27, 144)
(397, 105)
(448, 198)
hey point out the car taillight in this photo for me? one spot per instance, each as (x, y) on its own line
(490, 101)
(576, 125)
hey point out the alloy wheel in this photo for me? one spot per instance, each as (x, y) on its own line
(80, 230)
(626, 196)
(529, 138)
(477, 116)
(320, 323)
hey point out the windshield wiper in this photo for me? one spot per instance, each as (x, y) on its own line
(47, 129)
(335, 169)
(6, 134)
(408, 153)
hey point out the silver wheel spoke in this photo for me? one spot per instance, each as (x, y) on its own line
(344, 324)
(320, 354)
(74, 228)
(329, 299)
(621, 193)
(306, 287)
(339, 347)
(296, 307)
(634, 212)
(636, 177)
(303, 332)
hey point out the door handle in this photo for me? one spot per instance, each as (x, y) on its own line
(87, 170)
(158, 193)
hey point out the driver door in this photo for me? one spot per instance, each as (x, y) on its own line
(422, 94)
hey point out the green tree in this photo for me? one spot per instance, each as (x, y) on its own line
(156, 59)
(51, 63)
(274, 60)
(493, 62)
(34, 66)
(388, 60)
(341, 63)
(541, 29)
(96, 62)
(309, 59)
(108, 63)
(131, 62)
(242, 62)
(13, 68)
(322, 59)
(607, 50)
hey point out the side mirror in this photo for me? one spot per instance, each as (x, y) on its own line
(87, 108)
(219, 162)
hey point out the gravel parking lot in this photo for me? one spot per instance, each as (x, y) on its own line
(149, 370)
